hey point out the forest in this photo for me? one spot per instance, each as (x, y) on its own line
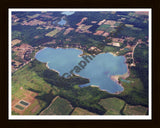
(85, 97)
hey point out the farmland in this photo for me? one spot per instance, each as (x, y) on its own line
(59, 106)
(113, 106)
(35, 90)
(134, 92)
(81, 111)
(27, 85)
(110, 49)
(27, 104)
(105, 27)
(134, 110)
(52, 33)
(16, 41)
(27, 78)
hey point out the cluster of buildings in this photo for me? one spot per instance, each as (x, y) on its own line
(22, 55)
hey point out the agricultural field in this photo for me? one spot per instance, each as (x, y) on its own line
(113, 106)
(33, 16)
(134, 110)
(16, 41)
(106, 28)
(110, 49)
(134, 92)
(26, 86)
(103, 27)
(27, 104)
(123, 52)
(81, 111)
(59, 106)
(28, 79)
(132, 27)
(53, 33)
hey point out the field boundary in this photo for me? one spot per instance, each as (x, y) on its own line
(50, 104)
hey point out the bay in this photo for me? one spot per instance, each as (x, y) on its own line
(98, 70)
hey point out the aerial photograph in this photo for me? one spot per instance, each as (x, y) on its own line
(79, 63)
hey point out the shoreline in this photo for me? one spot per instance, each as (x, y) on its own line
(71, 48)
(118, 92)
(52, 69)
(114, 54)
(39, 51)
(115, 78)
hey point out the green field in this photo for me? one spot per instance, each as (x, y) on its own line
(113, 106)
(123, 52)
(14, 113)
(28, 79)
(106, 28)
(110, 49)
(103, 27)
(134, 91)
(81, 111)
(59, 106)
(134, 110)
(52, 33)
(33, 16)
(38, 105)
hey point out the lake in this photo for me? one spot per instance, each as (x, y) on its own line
(62, 22)
(97, 69)
(68, 13)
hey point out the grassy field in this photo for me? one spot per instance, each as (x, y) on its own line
(29, 78)
(110, 49)
(81, 111)
(106, 28)
(52, 33)
(134, 91)
(35, 108)
(134, 110)
(112, 105)
(14, 113)
(123, 52)
(26, 79)
(103, 27)
(59, 106)
(33, 16)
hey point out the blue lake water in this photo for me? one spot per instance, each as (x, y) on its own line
(62, 22)
(68, 13)
(98, 70)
